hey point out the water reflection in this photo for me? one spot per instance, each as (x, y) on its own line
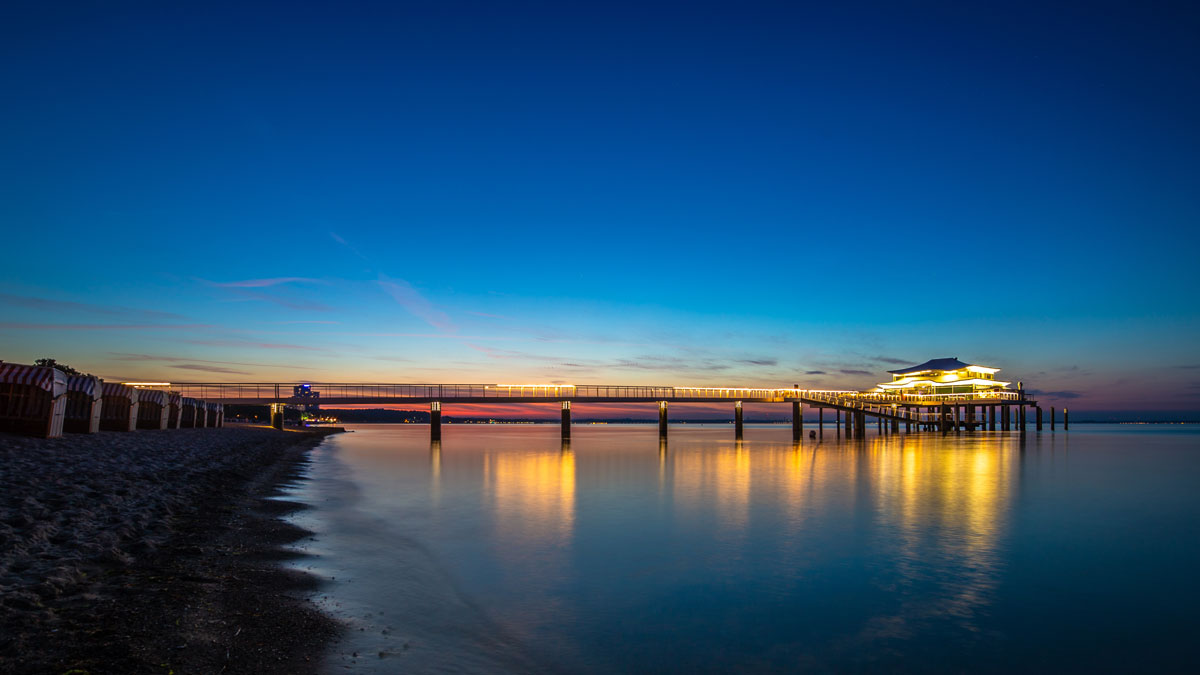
(601, 554)
(941, 510)
(931, 512)
(533, 495)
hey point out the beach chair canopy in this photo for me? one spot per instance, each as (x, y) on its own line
(152, 396)
(174, 398)
(117, 389)
(51, 379)
(85, 384)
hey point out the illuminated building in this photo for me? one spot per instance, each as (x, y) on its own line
(311, 401)
(942, 376)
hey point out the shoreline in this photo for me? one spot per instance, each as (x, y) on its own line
(155, 552)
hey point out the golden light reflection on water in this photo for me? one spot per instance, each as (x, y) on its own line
(533, 494)
(927, 513)
(937, 506)
(944, 503)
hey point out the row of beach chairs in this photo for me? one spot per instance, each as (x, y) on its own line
(45, 402)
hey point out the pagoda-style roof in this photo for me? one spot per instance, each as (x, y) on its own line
(951, 363)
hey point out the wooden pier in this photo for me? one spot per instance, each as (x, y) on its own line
(915, 413)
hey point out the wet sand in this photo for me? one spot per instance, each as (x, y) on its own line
(154, 551)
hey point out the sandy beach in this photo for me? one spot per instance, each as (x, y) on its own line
(153, 551)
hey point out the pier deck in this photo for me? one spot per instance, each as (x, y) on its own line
(916, 412)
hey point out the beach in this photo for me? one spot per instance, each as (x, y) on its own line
(154, 551)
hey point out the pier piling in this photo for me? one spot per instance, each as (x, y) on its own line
(1038, 417)
(435, 421)
(1051, 418)
(797, 420)
(277, 415)
(1064, 419)
(737, 419)
(662, 419)
(566, 420)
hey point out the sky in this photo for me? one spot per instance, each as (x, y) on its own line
(744, 194)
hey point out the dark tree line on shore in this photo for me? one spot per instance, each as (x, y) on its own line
(52, 363)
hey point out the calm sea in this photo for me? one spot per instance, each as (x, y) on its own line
(503, 550)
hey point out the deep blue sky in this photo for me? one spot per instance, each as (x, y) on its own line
(689, 193)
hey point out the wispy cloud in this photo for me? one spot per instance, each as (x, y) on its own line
(646, 362)
(293, 322)
(249, 343)
(125, 356)
(416, 304)
(208, 369)
(437, 336)
(1057, 394)
(301, 304)
(847, 371)
(814, 372)
(667, 364)
(245, 289)
(338, 238)
(494, 353)
(759, 362)
(263, 283)
(891, 359)
(16, 325)
(47, 304)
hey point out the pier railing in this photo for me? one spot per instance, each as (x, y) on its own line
(929, 399)
(392, 394)
(262, 392)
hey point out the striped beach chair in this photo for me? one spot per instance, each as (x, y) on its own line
(33, 400)
(120, 412)
(84, 404)
(153, 411)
